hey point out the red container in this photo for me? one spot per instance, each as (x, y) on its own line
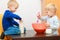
(39, 27)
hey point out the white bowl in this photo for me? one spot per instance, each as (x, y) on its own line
(48, 31)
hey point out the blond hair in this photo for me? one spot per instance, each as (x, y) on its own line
(12, 2)
(51, 6)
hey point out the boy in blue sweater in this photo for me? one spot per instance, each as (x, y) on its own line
(9, 25)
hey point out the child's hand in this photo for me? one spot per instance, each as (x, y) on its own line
(21, 21)
(44, 21)
(47, 25)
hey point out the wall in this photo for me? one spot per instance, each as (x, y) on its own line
(27, 10)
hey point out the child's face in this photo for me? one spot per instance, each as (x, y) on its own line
(50, 12)
(13, 8)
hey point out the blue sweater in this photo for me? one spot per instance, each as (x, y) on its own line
(8, 20)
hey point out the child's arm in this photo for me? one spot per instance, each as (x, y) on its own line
(42, 17)
(39, 16)
(15, 23)
(11, 15)
(55, 24)
(14, 16)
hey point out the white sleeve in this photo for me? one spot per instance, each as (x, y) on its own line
(55, 24)
(44, 18)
